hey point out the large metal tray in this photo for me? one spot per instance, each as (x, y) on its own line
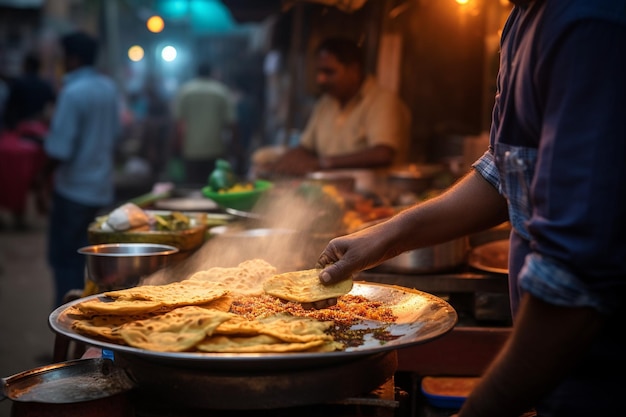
(421, 317)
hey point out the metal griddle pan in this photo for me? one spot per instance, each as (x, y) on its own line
(421, 317)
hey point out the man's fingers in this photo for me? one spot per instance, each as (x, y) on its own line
(325, 260)
(325, 303)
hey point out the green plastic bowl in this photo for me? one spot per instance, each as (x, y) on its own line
(241, 200)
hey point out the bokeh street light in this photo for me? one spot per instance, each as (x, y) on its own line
(168, 53)
(135, 53)
(155, 24)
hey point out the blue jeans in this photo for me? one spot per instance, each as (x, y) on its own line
(67, 232)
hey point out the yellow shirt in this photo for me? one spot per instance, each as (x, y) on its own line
(375, 116)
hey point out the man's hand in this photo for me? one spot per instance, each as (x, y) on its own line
(337, 267)
(345, 256)
(296, 161)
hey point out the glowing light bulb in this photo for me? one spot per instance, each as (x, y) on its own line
(155, 24)
(168, 53)
(135, 53)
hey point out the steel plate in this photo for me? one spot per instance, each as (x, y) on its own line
(491, 257)
(421, 317)
(187, 204)
(243, 214)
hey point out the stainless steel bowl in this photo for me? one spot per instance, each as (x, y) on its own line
(122, 265)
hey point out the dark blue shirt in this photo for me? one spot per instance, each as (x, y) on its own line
(558, 150)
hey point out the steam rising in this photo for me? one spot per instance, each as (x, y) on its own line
(286, 235)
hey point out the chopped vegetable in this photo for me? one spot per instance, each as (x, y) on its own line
(174, 221)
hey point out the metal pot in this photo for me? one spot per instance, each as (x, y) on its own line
(436, 258)
(415, 177)
(410, 182)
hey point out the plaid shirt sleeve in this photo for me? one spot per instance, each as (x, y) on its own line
(486, 167)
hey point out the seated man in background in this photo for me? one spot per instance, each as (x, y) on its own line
(356, 123)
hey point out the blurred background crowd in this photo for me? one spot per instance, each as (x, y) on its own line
(439, 56)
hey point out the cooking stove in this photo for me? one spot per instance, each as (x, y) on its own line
(400, 396)
(277, 393)
(388, 400)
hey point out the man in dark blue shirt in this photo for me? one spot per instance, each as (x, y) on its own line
(556, 170)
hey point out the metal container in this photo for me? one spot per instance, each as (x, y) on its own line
(66, 382)
(414, 178)
(437, 258)
(413, 183)
(122, 265)
(360, 180)
(92, 387)
(491, 257)
(342, 181)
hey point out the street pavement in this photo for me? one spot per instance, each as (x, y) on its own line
(26, 340)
